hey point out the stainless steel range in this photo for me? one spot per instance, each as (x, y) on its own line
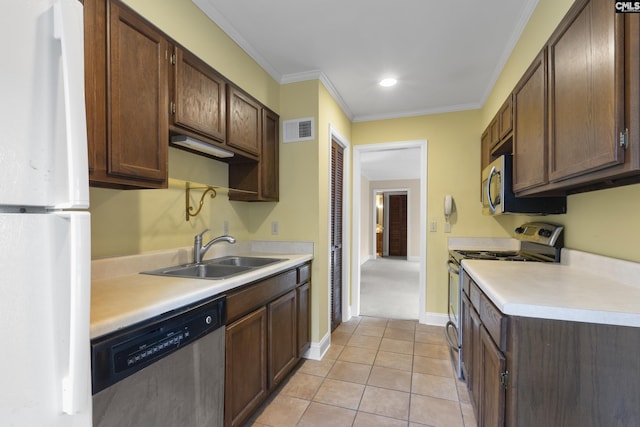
(539, 242)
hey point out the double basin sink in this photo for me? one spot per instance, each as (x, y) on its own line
(217, 268)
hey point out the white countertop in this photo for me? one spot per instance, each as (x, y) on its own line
(120, 296)
(583, 288)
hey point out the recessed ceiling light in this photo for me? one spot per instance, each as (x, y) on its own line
(388, 82)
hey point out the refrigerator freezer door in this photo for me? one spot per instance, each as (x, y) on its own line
(43, 143)
(44, 317)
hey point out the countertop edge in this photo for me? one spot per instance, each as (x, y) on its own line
(114, 303)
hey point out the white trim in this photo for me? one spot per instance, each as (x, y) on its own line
(437, 319)
(423, 316)
(346, 223)
(317, 350)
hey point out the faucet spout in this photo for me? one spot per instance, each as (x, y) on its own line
(199, 250)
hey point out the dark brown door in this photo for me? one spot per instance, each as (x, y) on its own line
(337, 167)
(398, 225)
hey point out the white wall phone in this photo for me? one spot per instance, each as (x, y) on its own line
(448, 210)
(448, 206)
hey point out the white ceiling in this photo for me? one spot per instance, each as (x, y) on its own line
(446, 55)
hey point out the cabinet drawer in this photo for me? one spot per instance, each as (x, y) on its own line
(466, 284)
(494, 321)
(474, 295)
(261, 293)
(304, 273)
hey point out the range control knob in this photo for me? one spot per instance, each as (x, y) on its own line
(519, 230)
(544, 232)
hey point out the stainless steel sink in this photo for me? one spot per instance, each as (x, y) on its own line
(217, 268)
(244, 261)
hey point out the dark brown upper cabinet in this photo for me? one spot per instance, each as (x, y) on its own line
(586, 90)
(199, 98)
(530, 124)
(261, 177)
(243, 121)
(126, 81)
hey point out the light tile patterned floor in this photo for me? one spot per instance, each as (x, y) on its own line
(378, 372)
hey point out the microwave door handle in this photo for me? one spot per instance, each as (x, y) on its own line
(493, 172)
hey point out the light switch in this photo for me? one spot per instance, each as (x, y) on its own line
(275, 228)
(433, 226)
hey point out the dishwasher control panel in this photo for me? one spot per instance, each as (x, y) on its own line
(122, 353)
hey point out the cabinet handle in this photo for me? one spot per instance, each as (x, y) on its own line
(624, 138)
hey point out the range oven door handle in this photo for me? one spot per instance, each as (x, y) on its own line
(453, 267)
(452, 343)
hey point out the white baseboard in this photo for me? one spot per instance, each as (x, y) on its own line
(318, 349)
(437, 319)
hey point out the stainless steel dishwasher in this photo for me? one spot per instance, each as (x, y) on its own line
(164, 372)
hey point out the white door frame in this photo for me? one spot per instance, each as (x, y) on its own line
(346, 229)
(356, 215)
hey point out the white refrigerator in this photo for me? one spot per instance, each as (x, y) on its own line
(45, 253)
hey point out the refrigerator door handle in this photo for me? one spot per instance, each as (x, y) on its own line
(76, 385)
(68, 28)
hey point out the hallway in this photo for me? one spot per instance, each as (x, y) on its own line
(389, 288)
(378, 372)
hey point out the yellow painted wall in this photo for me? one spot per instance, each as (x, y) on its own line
(453, 167)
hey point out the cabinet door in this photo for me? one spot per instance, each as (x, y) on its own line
(493, 391)
(270, 157)
(243, 121)
(283, 337)
(506, 118)
(476, 363)
(494, 130)
(246, 366)
(586, 90)
(199, 97)
(530, 124)
(138, 97)
(467, 341)
(304, 315)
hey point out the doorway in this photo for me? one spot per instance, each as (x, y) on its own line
(391, 224)
(415, 153)
(335, 244)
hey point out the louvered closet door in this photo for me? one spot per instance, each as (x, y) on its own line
(337, 168)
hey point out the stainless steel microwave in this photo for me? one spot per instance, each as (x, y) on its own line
(498, 197)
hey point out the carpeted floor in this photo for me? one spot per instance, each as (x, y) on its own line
(389, 288)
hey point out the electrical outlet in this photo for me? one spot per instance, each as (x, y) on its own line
(433, 226)
(275, 228)
(447, 227)
(225, 227)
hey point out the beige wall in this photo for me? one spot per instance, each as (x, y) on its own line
(413, 214)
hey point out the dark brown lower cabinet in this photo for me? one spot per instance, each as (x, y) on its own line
(492, 390)
(267, 330)
(246, 366)
(548, 372)
(283, 335)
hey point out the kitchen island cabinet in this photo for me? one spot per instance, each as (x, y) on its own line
(126, 80)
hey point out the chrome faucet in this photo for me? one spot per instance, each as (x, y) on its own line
(199, 249)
